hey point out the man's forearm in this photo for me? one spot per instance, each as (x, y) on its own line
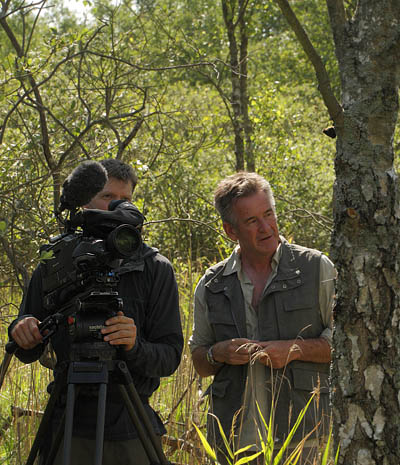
(277, 354)
(313, 350)
(236, 351)
(201, 364)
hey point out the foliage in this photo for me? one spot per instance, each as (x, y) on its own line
(148, 82)
(271, 456)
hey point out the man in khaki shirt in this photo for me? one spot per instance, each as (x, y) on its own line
(256, 267)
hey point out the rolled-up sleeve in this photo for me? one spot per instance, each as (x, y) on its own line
(202, 334)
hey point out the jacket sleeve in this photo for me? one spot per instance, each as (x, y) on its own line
(31, 305)
(158, 348)
(203, 334)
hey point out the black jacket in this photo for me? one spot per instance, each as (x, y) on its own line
(149, 292)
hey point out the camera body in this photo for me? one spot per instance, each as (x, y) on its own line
(79, 280)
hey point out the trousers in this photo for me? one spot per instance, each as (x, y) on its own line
(129, 452)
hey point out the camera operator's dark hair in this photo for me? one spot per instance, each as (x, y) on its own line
(236, 186)
(120, 170)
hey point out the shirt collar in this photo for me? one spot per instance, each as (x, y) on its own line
(234, 263)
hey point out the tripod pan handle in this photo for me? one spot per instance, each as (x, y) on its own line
(11, 347)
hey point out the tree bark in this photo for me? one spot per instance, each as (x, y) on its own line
(365, 240)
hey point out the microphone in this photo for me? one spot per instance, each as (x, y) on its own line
(85, 181)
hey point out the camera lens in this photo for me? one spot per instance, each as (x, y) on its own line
(124, 241)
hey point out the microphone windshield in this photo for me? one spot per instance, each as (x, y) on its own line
(85, 181)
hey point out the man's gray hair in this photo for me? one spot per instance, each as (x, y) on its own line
(236, 186)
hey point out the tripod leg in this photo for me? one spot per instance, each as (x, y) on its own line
(58, 436)
(69, 421)
(134, 399)
(4, 367)
(147, 445)
(41, 434)
(56, 442)
(101, 414)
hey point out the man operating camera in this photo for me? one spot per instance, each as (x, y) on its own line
(146, 334)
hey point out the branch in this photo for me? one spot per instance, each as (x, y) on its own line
(337, 10)
(129, 138)
(177, 444)
(322, 220)
(150, 68)
(337, 17)
(4, 11)
(42, 116)
(319, 219)
(189, 220)
(334, 108)
(18, 266)
(181, 397)
(27, 92)
(34, 26)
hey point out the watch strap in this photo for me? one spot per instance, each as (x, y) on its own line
(210, 358)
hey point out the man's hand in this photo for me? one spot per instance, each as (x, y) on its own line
(120, 330)
(26, 333)
(234, 351)
(277, 354)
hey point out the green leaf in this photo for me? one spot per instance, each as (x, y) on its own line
(325, 456)
(248, 459)
(337, 455)
(46, 255)
(226, 442)
(3, 227)
(209, 450)
(292, 432)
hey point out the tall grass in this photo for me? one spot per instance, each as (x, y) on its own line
(267, 452)
(178, 400)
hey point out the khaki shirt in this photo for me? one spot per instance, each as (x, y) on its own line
(202, 332)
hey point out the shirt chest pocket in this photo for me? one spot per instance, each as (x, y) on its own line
(294, 294)
(223, 325)
(298, 314)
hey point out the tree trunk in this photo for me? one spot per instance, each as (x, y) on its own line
(365, 242)
(244, 94)
(234, 14)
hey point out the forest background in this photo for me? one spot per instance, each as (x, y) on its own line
(155, 83)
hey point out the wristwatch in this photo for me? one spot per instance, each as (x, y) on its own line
(210, 358)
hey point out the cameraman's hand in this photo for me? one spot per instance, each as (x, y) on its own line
(26, 333)
(121, 331)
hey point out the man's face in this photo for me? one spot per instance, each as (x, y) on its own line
(256, 228)
(114, 189)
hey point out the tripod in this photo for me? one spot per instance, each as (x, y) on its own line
(98, 373)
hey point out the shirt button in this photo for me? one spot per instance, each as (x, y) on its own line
(284, 286)
(298, 281)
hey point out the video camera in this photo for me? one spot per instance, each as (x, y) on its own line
(78, 267)
(78, 273)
